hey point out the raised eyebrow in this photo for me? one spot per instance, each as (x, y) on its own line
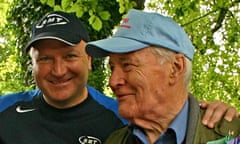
(121, 59)
(43, 55)
(74, 52)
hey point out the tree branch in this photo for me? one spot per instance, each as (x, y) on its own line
(221, 16)
(198, 18)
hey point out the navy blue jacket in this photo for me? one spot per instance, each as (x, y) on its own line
(106, 101)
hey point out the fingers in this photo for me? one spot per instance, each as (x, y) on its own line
(231, 113)
(216, 111)
(209, 116)
(203, 104)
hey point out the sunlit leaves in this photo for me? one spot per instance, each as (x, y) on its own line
(4, 4)
(66, 4)
(95, 22)
(79, 9)
(105, 15)
(126, 5)
(15, 74)
(97, 13)
(51, 3)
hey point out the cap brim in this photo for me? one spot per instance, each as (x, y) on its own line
(47, 35)
(102, 48)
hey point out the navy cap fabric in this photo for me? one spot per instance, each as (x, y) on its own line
(141, 29)
(65, 27)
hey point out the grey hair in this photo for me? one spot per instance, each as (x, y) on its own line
(167, 55)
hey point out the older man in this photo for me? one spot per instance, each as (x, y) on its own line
(151, 66)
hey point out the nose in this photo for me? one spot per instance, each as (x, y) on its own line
(59, 68)
(116, 78)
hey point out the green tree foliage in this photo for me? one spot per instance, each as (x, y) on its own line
(4, 4)
(15, 72)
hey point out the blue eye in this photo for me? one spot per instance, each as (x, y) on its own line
(127, 67)
(69, 56)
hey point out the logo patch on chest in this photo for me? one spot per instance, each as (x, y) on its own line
(89, 140)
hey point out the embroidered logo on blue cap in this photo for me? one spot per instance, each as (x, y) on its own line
(124, 23)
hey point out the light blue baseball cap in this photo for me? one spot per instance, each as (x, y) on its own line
(141, 29)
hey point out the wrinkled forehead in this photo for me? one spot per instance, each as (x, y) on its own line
(141, 55)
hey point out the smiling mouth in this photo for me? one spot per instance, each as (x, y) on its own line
(120, 96)
(56, 82)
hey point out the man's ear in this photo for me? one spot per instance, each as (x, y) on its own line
(89, 63)
(178, 68)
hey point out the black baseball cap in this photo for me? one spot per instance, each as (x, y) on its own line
(62, 26)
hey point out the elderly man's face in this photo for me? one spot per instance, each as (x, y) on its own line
(140, 81)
